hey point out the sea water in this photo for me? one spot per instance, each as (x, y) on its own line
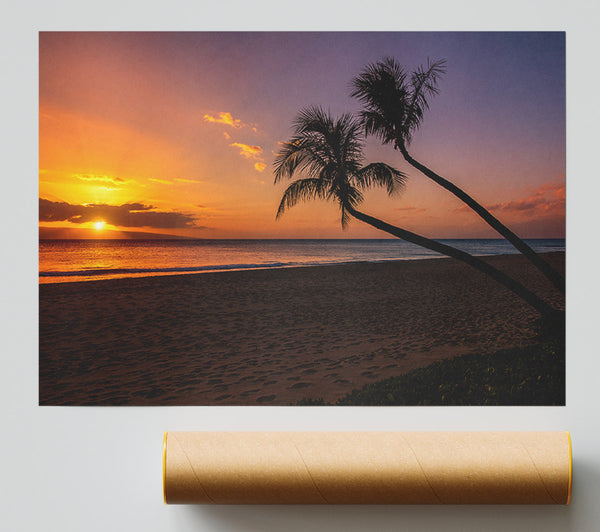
(85, 260)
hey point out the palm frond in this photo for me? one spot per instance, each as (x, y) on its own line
(326, 154)
(382, 175)
(424, 84)
(394, 105)
(385, 92)
(344, 217)
(378, 80)
(319, 142)
(301, 154)
(313, 119)
(348, 197)
(301, 190)
(424, 81)
(376, 124)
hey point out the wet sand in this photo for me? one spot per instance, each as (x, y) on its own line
(273, 337)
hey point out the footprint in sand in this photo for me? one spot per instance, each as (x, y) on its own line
(299, 385)
(249, 392)
(301, 366)
(266, 398)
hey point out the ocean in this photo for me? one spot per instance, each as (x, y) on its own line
(88, 260)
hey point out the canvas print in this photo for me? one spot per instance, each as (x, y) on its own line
(301, 218)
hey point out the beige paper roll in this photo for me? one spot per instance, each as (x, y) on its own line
(367, 467)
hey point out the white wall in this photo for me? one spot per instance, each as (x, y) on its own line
(98, 469)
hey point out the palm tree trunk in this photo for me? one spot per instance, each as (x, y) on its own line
(541, 306)
(557, 280)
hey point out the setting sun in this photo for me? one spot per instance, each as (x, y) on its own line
(98, 226)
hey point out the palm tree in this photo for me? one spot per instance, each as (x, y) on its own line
(328, 155)
(394, 107)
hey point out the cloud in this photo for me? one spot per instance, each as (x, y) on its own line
(181, 180)
(411, 210)
(250, 152)
(246, 150)
(224, 118)
(127, 215)
(101, 179)
(549, 199)
(175, 181)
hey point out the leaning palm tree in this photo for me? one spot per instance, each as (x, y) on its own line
(326, 156)
(394, 107)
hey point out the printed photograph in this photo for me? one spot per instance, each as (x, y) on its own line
(302, 218)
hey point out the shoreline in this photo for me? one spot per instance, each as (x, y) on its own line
(75, 277)
(226, 269)
(273, 336)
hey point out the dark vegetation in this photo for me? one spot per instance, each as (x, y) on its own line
(530, 375)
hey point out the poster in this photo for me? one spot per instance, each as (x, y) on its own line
(251, 218)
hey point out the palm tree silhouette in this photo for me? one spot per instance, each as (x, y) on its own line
(394, 107)
(328, 155)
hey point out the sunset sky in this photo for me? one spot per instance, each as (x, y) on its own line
(176, 132)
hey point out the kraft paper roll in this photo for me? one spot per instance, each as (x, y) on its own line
(367, 468)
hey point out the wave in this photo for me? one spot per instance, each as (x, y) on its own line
(95, 272)
(188, 269)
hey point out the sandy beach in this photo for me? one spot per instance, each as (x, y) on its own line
(273, 337)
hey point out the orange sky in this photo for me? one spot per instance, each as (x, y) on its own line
(164, 133)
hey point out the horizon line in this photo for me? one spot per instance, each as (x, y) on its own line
(175, 237)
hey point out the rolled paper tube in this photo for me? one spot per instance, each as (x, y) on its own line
(367, 467)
